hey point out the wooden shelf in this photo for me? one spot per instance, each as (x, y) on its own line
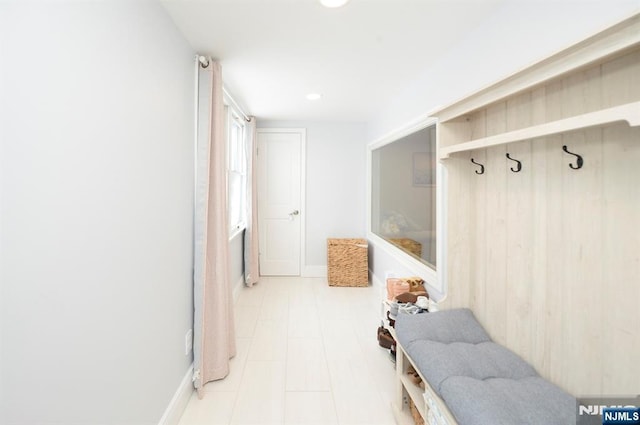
(415, 392)
(629, 113)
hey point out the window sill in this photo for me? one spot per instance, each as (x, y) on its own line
(434, 282)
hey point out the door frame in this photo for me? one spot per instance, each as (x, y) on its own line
(303, 186)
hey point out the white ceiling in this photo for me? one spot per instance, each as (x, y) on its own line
(274, 52)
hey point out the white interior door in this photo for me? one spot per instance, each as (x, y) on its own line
(280, 213)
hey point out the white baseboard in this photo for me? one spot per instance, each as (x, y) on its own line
(314, 271)
(180, 399)
(375, 281)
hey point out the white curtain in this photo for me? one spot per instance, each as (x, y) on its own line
(251, 271)
(214, 336)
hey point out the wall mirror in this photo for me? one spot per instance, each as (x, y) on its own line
(403, 194)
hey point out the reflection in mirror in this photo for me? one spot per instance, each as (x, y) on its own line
(403, 209)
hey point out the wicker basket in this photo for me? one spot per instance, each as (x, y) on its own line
(417, 419)
(408, 245)
(347, 262)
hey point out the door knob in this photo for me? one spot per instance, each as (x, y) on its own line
(295, 212)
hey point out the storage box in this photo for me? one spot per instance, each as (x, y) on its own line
(347, 262)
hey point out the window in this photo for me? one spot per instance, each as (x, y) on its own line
(407, 197)
(404, 194)
(236, 172)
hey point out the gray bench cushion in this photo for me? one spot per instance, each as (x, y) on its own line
(480, 381)
(458, 325)
(486, 360)
(506, 401)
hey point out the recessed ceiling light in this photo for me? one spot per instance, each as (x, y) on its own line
(333, 3)
(314, 96)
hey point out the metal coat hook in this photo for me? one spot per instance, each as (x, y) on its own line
(518, 167)
(579, 161)
(481, 167)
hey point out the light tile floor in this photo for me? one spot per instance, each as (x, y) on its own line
(307, 354)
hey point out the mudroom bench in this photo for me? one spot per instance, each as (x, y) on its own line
(467, 378)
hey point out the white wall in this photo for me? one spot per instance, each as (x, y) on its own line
(520, 33)
(96, 192)
(335, 190)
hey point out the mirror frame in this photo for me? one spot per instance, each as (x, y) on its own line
(435, 279)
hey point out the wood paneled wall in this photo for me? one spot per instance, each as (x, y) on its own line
(549, 258)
